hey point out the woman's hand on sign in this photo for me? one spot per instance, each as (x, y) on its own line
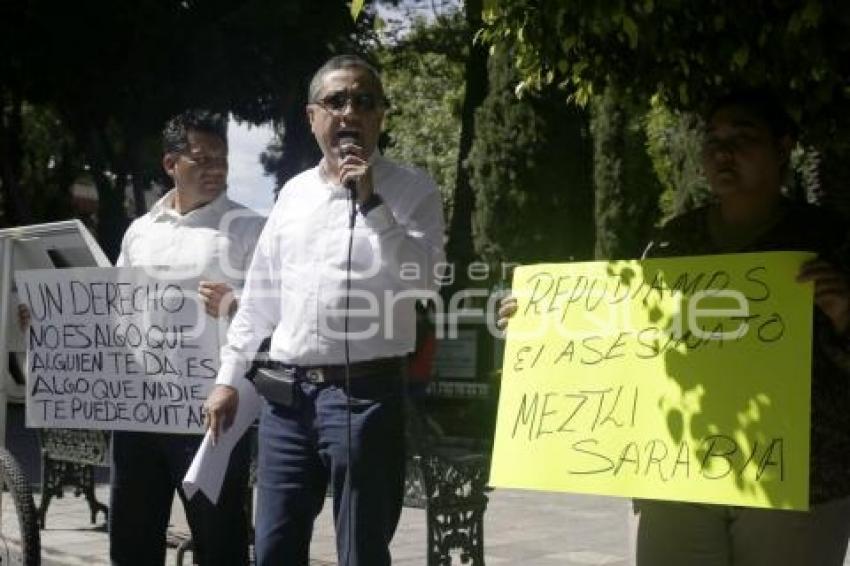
(218, 298)
(220, 409)
(507, 308)
(832, 291)
(24, 317)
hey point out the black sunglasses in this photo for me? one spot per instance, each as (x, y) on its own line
(337, 102)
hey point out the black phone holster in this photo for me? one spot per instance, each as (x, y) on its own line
(276, 384)
(273, 382)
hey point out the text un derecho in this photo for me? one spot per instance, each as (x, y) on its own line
(112, 351)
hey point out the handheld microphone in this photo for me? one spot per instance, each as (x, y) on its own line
(346, 140)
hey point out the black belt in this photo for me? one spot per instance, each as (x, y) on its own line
(336, 373)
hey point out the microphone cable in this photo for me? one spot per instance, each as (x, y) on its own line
(351, 221)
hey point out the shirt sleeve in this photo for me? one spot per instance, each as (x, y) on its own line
(123, 257)
(411, 251)
(258, 312)
(249, 236)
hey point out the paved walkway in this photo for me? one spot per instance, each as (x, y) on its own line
(526, 528)
(520, 528)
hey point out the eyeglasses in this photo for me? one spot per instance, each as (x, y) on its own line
(337, 102)
(206, 161)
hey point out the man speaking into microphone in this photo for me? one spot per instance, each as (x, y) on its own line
(349, 246)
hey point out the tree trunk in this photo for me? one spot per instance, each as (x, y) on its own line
(460, 248)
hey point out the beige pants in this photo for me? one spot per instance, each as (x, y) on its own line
(688, 534)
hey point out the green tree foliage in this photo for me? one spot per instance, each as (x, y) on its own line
(530, 161)
(687, 53)
(112, 72)
(452, 36)
(425, 89)
(805, 183)
(50, 163)
(627, 190)
(531, 169)
(688, 50)
(674, 143)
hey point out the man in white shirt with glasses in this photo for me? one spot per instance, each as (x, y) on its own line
(356, 220)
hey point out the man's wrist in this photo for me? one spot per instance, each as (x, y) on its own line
(230, 372)
(373, 201)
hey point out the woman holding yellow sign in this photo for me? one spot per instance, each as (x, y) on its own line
(748, 141)
(746, 153)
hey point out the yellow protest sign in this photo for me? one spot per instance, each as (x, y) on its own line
(680, 379)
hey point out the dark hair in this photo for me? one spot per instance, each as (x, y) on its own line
(175, 135)
(762, 103)
(335, 64)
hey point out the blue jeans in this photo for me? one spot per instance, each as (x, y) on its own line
(147, 468)
(303, 448)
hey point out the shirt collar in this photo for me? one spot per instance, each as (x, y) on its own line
(163, 209)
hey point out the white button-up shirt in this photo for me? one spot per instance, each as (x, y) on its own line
(296, 285)
(213, 242)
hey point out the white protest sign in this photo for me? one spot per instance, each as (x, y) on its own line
(117, 349)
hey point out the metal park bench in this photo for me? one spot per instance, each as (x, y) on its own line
(68, 457)
(448, 479)
(445, 477)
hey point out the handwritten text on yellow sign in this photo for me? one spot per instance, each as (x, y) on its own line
(680, 379)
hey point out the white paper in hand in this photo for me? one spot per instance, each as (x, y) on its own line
(206, 474)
